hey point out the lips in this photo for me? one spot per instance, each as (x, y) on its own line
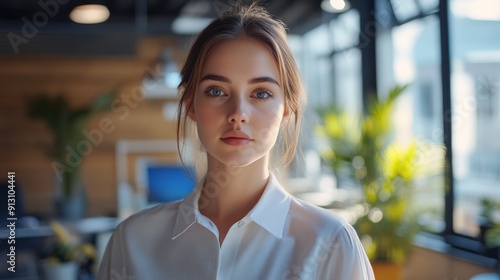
(236, 138)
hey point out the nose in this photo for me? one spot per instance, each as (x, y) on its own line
(238, 111)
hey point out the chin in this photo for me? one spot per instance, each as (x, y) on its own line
(234, 162)
(238, 159)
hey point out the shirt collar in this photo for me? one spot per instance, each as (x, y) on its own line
(187, 212)
(270, 212)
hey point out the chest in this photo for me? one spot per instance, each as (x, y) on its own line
(247, 253)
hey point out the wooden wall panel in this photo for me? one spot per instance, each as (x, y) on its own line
(23, 141)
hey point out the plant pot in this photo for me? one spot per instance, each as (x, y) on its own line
(70, 205)
(484, 225)
(60, 271)
(71, 208)
(387, 271)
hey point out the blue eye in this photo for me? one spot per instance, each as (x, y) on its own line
(262, 95)
(215, 92)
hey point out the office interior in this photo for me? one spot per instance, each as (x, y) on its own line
(446, 55)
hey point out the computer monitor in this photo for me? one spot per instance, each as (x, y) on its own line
(164, 181)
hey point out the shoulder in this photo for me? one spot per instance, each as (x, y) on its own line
(336, 241)
(321, 221)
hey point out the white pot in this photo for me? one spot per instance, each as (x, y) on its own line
(60, 271)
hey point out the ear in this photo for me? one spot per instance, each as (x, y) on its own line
(188, 102)
(286, 115)
(190, 112)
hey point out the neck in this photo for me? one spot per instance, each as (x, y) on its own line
(229, 193)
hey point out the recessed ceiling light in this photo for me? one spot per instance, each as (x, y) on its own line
(335, 6)
(89, 14)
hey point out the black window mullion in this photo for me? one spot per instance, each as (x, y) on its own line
(367, 46)
(447, 119)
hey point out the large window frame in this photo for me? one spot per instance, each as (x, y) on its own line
(459, 245)
(462, 246)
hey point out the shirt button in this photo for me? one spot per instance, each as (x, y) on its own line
(241, 223)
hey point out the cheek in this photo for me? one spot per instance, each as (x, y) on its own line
(208, 120)
(269, 124)
(203, 112)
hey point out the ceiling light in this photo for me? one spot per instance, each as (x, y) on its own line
(89, 14)
(335, 6)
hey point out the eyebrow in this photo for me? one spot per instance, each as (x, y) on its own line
(264, 79)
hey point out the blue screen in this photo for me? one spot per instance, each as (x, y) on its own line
(168, 183)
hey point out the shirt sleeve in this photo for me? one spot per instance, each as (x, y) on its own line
(347, 259)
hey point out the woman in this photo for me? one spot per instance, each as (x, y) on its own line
(241, 89)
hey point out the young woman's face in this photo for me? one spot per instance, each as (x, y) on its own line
(239, 104)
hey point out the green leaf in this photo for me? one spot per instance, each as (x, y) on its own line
(66, 125)
(361, 147)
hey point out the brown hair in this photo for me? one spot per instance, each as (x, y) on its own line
(256, 23)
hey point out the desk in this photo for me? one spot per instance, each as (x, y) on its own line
(30, 242)
(87, 226)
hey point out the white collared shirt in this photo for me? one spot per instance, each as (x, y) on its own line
(280, 238)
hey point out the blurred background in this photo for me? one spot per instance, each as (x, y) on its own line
(88, 104)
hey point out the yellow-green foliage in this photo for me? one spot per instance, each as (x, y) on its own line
(360, 148)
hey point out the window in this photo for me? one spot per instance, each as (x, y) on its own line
(410, 53)
(347, 80)
(428, 5)
(404, 9)
(346, 62)
(330, 63)
(414, 59)
(475, 109)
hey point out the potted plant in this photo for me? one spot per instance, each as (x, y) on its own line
(360, 149)
(68, 257)
(492, 240)
(485, 219)
(67, 127)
